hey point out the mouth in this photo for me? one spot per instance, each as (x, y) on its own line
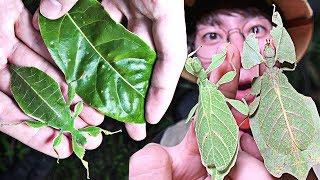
(244, 86)
(244, 90)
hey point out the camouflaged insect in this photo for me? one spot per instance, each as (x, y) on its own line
(284, 123)
(216, 128)
(39, 97)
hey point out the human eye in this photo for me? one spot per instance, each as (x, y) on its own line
(211, 37)
(258, 29)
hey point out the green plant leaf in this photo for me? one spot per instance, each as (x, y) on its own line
(286, 127)
(110, 65)
(251, 56)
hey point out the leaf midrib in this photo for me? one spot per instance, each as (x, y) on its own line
(85, 37)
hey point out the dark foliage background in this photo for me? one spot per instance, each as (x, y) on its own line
(110, 160)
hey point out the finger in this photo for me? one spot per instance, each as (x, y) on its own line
(248, 167)
(151, 162)
(92, 142)
(35, 20)
(248, 145)
(136, 131)
(3, 59)
(187, 151)
(170, 42)
(112, 10)
(142, 27)
(31, 37)
(189, 142)
(39, 139)
(24, 56)
(231, 63)
(5, 80)
(91, 116)
(54, 9)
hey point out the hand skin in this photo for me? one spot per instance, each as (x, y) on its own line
(161, 24)
(21, 44)
(183, 161)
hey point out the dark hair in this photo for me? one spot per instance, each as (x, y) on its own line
(203, 12)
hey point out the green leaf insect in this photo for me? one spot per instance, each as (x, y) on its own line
(216, 128)
(284, 123)
(39, 97)
(108, 66)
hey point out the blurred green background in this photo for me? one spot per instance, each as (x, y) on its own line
(111, 159)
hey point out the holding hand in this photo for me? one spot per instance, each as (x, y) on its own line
(21, 45)
(160, 24)
(183, 161)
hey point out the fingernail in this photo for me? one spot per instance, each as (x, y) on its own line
(35, 20)
(136, 131)
(50, 8)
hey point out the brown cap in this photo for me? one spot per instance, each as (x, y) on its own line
(298, 19)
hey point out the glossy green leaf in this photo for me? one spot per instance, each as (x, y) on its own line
(110, 65)
(251, 56)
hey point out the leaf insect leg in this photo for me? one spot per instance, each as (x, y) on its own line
(255, 90)
(56, 142)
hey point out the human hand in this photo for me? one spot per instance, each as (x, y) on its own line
(21, 44)
(159, 23)
(183, 161)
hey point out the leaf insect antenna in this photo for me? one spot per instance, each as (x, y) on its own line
(193, 52)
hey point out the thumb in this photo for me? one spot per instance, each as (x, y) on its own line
(151, 162)
(190, 143)
(248, 145)
(54, 9)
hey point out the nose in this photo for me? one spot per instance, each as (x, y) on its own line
(236, 37)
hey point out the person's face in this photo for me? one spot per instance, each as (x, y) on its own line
(233, 29)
